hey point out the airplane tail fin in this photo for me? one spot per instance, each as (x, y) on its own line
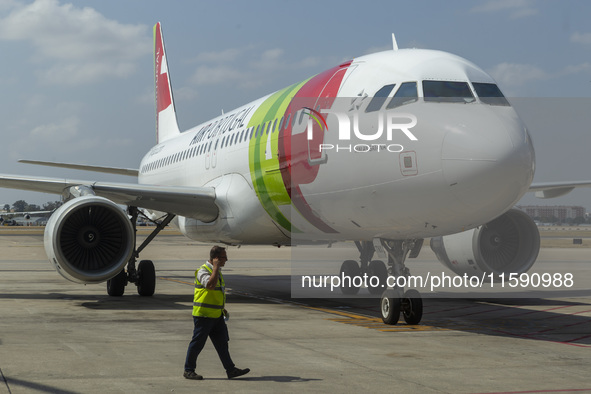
(166, 122)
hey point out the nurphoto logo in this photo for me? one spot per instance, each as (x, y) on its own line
(373, 127)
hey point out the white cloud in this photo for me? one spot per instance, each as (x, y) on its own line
(56, 132)
(249, 68)
(515, 8)
(215, 75)
(272, 55)
(58, 138)
(223, 56)
(578, 68)
(80, 44)
(581, 38)
(509, 75)
(183, 93)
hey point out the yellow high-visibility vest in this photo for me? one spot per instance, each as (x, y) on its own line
(209, 303)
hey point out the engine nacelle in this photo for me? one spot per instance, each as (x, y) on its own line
(89, 239)
(508, 244)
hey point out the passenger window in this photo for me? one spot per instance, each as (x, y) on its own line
(489, 93)
(281, 123)
(272, 128)
(447, 92)
(406, 94)
(302, 113)
(379, 98)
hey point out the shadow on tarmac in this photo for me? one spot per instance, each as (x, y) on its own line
(43, 388)
(279, 379)
(564, 321)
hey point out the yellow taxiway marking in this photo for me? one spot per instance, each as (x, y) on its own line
(373, 322)
(176, 280)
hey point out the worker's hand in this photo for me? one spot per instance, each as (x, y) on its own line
(219, 261)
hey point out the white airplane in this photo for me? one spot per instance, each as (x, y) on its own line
(27, 217)
(384, 150)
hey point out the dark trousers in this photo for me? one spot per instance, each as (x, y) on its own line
(215, 329)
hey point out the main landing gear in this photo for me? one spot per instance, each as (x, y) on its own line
(393, 300)
(144, 277)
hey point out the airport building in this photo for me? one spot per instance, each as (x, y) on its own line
(558, 212)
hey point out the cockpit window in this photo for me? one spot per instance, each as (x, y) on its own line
(379, 98)
(407, 93)
(489, 93)
(447, 92)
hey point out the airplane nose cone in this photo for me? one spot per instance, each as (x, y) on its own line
(488, 162)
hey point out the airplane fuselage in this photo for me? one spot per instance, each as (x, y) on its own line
(283, 176)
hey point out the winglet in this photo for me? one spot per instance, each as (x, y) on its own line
(166, 122)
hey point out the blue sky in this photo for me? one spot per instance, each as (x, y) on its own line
(77, 78)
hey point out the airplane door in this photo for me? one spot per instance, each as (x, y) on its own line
(211, 153)
(214, 151)
(325, 100)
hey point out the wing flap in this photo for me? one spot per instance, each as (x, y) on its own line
(193, 202)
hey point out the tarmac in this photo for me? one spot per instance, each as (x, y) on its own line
(62, 337)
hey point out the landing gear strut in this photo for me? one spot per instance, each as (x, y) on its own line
(375, 268)
(395, 300)
(144, 277)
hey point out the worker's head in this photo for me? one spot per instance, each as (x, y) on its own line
(219, 253)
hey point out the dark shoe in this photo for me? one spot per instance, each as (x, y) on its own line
(237, 372)
(192, 375)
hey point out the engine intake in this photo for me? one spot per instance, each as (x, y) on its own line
(89, 239)
(508, 244)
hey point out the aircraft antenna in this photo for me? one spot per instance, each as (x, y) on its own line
(394, 43)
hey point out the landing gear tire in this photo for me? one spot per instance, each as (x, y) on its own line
(146, 284)
(390, 307)
(116, 285)
(378, 269)
(351, 269)
(412, 307)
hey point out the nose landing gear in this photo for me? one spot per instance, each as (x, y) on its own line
(395, 300)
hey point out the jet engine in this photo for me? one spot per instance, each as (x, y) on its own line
(508, 244)
(89, 239)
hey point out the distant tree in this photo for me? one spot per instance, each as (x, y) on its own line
(6, 207)
(32, 208)
(20, 206)
(52, 205)
(579, 220)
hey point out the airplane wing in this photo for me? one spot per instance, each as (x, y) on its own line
(12, 214)
(194, 202)
(84, 167)
(556, 189)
